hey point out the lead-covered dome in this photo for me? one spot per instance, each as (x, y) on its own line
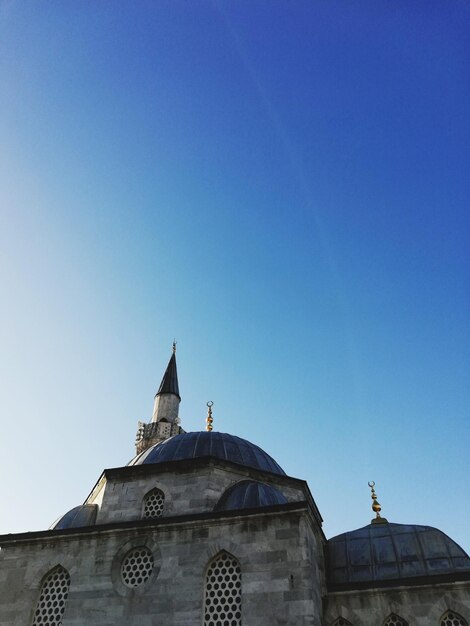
(249, 494)
(79, 516)
(219, 445)
(381, 552)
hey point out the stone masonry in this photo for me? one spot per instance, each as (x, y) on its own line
(280, 584)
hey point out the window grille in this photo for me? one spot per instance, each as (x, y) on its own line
(451, 618)
(154, 503)
(51, 604)
(395, 620)
(137, 567)
(223, 598)
(341, 622)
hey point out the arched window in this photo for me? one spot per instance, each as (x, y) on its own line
(154, 503)
(51, 604)
(451, 618)
(223, 594)
(395, 620)
(341, 622)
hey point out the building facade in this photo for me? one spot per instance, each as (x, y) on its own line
(206, 529)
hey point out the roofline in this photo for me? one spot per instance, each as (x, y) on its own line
(430, 579)
(290, 507)
(201, 461)
(373, 525)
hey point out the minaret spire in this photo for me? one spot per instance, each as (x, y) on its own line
(165, 421)
(169, 382)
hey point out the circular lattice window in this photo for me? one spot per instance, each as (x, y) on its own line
(154, 503)
(395, 620)
(452, 619)
(51, 603)
(137, 567)
(223, 592)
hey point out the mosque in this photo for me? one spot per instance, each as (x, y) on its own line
(206, 529)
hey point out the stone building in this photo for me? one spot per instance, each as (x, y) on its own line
(206, 529)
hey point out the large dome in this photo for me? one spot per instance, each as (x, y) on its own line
(381, 552)
(215, 444)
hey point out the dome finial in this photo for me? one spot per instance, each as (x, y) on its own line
(375, 505)
(209, 418)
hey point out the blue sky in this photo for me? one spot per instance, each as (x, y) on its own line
(283, 188)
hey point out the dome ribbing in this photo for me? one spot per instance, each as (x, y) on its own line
(249, 494)
(219, 445)
(380, 552)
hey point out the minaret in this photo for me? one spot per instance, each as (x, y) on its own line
(165, 421)
(167, 398)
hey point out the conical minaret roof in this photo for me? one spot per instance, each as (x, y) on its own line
(169, 382)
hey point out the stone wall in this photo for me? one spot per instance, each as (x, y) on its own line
(280, 585)
(190, 491)
(418, 605)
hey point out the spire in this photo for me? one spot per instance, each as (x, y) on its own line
(376, 505)
(209, 418)
(169, 382)
(165, 420)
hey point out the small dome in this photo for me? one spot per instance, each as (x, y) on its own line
(84, 515)
(380, 552)
(219, 445)
(249, 494)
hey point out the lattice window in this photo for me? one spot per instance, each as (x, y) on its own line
(341, 622)
(137, 567)
(51, 603)
(223, 601)
(154, 503)
(451, 618)
(395, 620)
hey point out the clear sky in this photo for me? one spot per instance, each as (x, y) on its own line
(284, 188)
